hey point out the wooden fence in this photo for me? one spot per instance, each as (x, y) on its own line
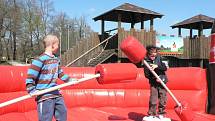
(196, 48)
(145, 37)
(80, 48)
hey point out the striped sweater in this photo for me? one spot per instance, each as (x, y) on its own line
(43, 74)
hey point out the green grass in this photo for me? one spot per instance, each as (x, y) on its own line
(179, 50)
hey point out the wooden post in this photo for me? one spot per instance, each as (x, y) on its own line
(103, 30)
(142, 22)
(133, 21)
(179, 32)
(103, 27)
(200, 30)
(201, 63)
(151, 24)
(119, 21)
(119, 37)
(132, 25)
(191, 33)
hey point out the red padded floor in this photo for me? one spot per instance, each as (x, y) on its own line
(92, 114)
(90, 101)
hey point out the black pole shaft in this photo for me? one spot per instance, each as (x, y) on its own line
(211, 74)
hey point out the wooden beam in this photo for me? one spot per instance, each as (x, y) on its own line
(142, 25)
(191, 33)
(179, 32)
(142, 22)
(133, 21)
(151, 24)
(132, 25)
(119, 21)
(200, 32)
(102, 26)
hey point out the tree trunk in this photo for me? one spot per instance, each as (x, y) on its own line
(14, 45)
(1, 37)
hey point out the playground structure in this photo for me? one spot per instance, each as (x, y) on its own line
(113, 102)
(105, 47)
(126, 13)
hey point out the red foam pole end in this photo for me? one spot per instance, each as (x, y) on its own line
(115, 73)
(133, 49)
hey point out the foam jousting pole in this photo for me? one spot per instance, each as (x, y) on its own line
(136, 52)
(104, 74)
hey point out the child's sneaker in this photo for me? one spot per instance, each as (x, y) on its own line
(162, 118)
(150, 118)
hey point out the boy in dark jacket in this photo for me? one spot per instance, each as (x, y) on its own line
(156, 89)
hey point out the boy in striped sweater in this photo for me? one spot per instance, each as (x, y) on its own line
(43, 74)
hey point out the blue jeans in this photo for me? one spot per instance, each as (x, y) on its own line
(52, 107)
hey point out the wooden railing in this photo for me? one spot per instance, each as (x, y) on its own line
(85, 50)
(196, 48)
(80, 48)
(92, 51)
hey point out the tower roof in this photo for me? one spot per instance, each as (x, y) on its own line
(129, 14)
(195, 22)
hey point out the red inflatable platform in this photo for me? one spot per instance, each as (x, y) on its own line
(90, 101)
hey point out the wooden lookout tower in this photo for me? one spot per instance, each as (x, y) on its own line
(131, 14)
(196, 47)
(104, 48)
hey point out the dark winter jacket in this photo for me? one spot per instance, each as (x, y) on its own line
(160, 70)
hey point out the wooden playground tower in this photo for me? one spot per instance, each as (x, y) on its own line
(196, 47)
(125, 13)
(104, 48)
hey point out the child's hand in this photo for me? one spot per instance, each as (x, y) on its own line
(33, 92)
(153, 66)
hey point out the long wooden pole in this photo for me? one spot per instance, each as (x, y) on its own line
(48, 90)
(162, 83)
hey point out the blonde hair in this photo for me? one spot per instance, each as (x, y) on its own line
(49, 40)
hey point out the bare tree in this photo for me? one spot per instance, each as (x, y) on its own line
(32, 27)
(59, 26)
(38, 33)
(15, 24)
(46, 7)
(84, 29)
(3, 15)
(24, 23)
(28, 14)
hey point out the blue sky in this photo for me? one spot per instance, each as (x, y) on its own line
(173, 10)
